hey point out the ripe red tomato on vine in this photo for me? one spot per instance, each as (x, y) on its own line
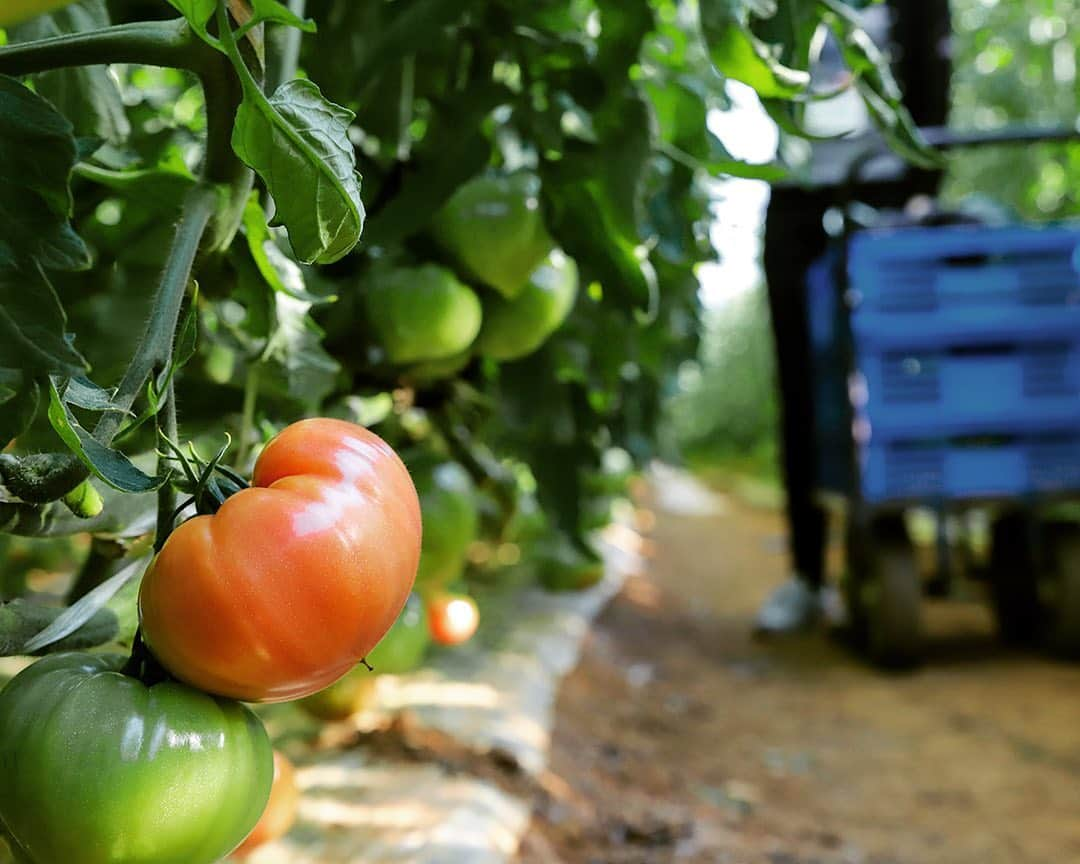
(294, 579)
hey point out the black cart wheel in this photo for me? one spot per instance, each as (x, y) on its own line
(1060, 591)
(885, 593)
(1013, 575)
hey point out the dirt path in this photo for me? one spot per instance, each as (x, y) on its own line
(680, 738)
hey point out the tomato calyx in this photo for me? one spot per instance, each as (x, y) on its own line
(208, 483)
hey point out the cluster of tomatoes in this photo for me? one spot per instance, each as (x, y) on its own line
(294, 581)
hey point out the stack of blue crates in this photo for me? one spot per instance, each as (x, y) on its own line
(966, 348)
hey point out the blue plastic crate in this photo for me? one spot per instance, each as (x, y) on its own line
(991, 468)
(1024, 388)
(951, 286)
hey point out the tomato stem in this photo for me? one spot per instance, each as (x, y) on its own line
(142, 664)
(166, 496)
(153, 43)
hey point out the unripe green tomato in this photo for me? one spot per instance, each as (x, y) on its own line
(438, 370)
(349, 695)
(514, 328)
(422, 313)
(84, 501)
(450, 518)
(17, 11)
(494, 228)
(98, 768)
(402, 649)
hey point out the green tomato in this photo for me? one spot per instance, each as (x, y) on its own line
(439, 370)
(448, 507)
(98, 768)
(348, 695)
(494, 229)
(402, 649)
(514, 328)
(422, 313)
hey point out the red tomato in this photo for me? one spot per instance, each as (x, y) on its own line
(294, 580)
(452, 618)
(280, 812)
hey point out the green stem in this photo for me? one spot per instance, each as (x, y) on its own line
(247, 422)
(283, 62)
(152, 43)
(156, 346)
(166, 496)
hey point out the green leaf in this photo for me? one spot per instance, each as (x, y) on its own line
(278, 13)
(298, 143)
(37, 153)
(163, 187)
(737, 53)
(462, 152)
(86, 95)
(307, 372)
(110, 465)
(198, 14)
(875, 83)
(84, 393)
(280, 272)
(33, 325)
(74, 617)
(21, 620)
(20, 395)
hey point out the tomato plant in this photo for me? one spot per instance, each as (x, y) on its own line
(281, 809)
(182, 277)
(100, 768)
(294, 579)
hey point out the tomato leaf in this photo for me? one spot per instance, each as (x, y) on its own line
(278, 13)
(738, 54)
(875, 83)
(298, 143)
(198, 14)
(33, 325)
(87, 95)
(37, 153)
(110, 465)
(84, 393)
(74, 617)
(20, 395)
(295, 349)
(280, 272)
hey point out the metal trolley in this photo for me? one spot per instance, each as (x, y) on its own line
(946, 365)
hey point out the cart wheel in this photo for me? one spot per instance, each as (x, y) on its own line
(1014, 588)
(1060, 591)
(887, 601)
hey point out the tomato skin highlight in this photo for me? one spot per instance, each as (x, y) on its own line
(452, 618)
(293, 580)
(98, 768)
(280, 813)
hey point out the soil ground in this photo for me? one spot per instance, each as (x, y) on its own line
(682, 738)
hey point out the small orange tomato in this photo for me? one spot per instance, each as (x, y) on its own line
(452, 618)
(280, 812)
(293, 580)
